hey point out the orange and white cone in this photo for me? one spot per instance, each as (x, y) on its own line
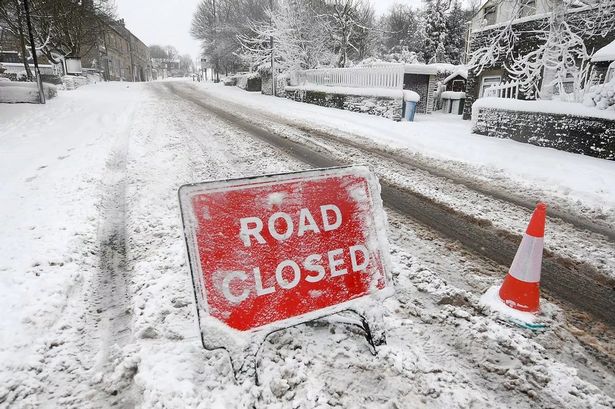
(520, 290)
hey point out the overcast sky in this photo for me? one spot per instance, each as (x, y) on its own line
(167, 22)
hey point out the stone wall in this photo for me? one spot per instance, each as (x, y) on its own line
(585, 135)
(386, 107)
(529, 38)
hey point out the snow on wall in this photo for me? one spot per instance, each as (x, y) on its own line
(592, 136)
(386, 106)
(543, 106)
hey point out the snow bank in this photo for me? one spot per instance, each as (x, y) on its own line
(453, 95)
(547, 107)
(449, 140)
(24, 92)
(359, 92)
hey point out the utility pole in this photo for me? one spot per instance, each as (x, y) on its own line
(39, 80)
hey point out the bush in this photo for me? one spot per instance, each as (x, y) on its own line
(601, 96)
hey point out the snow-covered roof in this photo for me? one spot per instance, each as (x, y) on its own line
(462, 72)
(429, 69)
(606, 53)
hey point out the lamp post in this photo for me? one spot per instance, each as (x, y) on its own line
(39, 80)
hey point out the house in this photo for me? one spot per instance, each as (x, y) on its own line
(118, 55)
(527, 19)
(603, 62)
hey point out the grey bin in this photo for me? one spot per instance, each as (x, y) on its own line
(409, 110)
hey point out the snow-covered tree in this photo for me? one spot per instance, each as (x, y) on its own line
(346, 22)
(298, 34)
(456, 28)
(60, 27)
(435, 30)
(561, 56)
(402, 33)
(219, 24)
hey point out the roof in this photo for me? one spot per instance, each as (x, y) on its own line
(606, 53)
(463, 72)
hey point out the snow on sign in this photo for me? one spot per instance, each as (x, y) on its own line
(271, 251)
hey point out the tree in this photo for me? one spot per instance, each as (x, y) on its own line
(454, 42)
(219, 24)
(12, 14)
(402, 33)
(346, 21)
(298, 35)
(63, 27)
(186, 63)
(560, 57)
(157, 52)
(435, 30)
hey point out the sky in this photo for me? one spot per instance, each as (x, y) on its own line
(167, 22)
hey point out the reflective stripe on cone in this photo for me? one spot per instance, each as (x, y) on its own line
(521, 287)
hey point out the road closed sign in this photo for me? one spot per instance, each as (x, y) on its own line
(281, 249)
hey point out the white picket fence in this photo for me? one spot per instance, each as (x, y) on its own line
(503, 90)
(371, 76)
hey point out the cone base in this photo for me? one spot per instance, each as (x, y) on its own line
(492, 299)
(520, 295)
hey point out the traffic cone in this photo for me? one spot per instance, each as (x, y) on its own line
(521, 287)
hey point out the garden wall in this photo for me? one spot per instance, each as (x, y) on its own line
(385, 106)
(587, 135)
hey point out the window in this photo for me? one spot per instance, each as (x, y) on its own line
(527, 8)
(490, 14)
(459, 86)
(488, 82)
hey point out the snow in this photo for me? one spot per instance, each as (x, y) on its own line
(448, 138)
(429, 69)
(492, 300)
(458, 73)
(51, 169)
(57, 350)
(411, 96)
(361, 92)
(606, 53)
(453, 95)
(543, 106)
(23, 92)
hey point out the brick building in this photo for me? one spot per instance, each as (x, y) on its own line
(531, 19)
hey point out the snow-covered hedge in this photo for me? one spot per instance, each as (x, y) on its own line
(569, 130)
(601, 96)
(385, 103)
(24, 92)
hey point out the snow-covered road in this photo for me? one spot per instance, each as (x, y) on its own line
(98, 304)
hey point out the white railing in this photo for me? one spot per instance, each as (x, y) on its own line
(370, 76)
(503, 90)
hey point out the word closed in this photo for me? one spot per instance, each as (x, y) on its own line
(274, 248)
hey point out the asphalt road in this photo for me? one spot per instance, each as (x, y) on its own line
(575, 283)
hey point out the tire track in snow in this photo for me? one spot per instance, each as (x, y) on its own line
(440, 337)
(111, 307)
(576, 283)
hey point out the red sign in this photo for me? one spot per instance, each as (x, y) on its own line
(268, 249)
